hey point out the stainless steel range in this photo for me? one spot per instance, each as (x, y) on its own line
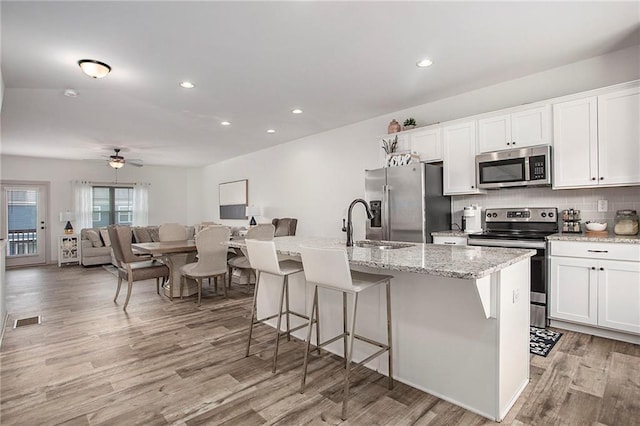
(523, 228)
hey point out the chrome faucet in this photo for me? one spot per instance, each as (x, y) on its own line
(350, 224)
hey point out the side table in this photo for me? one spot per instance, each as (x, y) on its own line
(68, 249)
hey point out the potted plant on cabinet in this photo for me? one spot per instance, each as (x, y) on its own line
(409, 123)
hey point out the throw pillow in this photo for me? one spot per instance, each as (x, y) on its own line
(94, 238)
(105, 237)
(142, 235)
(154, 234)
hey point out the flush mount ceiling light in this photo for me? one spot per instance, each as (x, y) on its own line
(93, 68)
(271, 131)
(225, 123)
(187, 85)
(70, 93)
(296, 111)
(116, 161)
(423, 63)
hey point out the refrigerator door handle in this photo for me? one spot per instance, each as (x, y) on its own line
(385, 213)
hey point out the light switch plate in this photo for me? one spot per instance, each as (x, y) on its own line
(603, 206)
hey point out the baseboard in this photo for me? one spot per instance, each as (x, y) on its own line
(4, 324)
(596, 331)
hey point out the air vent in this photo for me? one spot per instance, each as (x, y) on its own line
(27, 321)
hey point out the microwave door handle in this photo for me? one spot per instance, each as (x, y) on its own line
(527, 175)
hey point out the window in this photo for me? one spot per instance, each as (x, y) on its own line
(112, 205)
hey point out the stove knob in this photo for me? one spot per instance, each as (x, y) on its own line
(495, 215)
(550, 214)
(488, 214)
(543, 214)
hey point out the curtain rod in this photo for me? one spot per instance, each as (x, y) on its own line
(116, 183)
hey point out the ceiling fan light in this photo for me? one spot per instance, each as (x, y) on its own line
(116, 163)
(93, 68)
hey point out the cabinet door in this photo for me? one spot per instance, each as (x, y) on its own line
(619, 295)
(575, 144)
(460, 158)
(573, 289)
(619, 137)
(427, 144)
(494, 133)
(531, 127)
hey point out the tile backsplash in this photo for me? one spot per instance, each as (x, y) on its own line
(585, 200)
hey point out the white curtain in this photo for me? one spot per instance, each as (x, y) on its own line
(83, 203)
(141, 204)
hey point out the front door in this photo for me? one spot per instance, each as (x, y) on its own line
(24, 208)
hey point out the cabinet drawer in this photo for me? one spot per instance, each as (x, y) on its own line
(607, 251)
(454, 241)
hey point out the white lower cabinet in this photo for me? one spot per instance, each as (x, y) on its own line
(598, 289)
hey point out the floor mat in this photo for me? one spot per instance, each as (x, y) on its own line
(541, 340)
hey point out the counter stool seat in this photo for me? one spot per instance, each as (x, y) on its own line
(329, 269)
(264, 259)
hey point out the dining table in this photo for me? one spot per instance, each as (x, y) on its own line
(174, 254)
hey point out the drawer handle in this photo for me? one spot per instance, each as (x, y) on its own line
(449, 242)
(598, 251)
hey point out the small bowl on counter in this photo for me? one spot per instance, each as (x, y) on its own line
(595, 226)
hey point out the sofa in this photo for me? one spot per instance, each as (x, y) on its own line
(96, 246)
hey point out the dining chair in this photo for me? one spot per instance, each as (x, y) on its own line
(259, 232)
(131, 267)
(172, 232)
(212, 258)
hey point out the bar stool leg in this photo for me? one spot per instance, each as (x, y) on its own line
(389, 334)
(275, 354)
(199, 281)
(286, 289)
(315, 299)
(352, 329)
(344, 327)
(314, 309)
(253, 313)
(224, 286)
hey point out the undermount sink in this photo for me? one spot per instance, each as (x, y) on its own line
(381, 245)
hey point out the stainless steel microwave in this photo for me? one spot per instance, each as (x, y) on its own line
(514, 167)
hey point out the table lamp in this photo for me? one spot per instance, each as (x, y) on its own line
(252, 211)
(67, 217)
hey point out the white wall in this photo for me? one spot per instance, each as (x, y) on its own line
(168, 193)
(315, 178)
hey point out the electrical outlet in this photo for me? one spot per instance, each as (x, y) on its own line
(603, 206)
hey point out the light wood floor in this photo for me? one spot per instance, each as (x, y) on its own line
(175, 363)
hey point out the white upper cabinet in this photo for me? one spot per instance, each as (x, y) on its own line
(459, 154)
(427, 143)
(575, 135)
(515, 130)
(619, 137)
(597, 140)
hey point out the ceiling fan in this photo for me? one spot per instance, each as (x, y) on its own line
(117, 161)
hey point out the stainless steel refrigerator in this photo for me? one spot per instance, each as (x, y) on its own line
(407, 203)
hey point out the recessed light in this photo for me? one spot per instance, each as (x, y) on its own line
(296, 111)
(424, 63)
(70, 93)
(225, 123)
(187, 85)
(271, 131)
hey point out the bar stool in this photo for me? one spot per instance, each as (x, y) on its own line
(264, 259)
(329, 268)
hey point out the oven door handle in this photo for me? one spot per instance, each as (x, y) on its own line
(506, 243)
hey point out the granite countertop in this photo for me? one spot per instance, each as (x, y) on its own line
(586, 237)
(464, 262)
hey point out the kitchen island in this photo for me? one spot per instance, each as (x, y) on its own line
(460, 317)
